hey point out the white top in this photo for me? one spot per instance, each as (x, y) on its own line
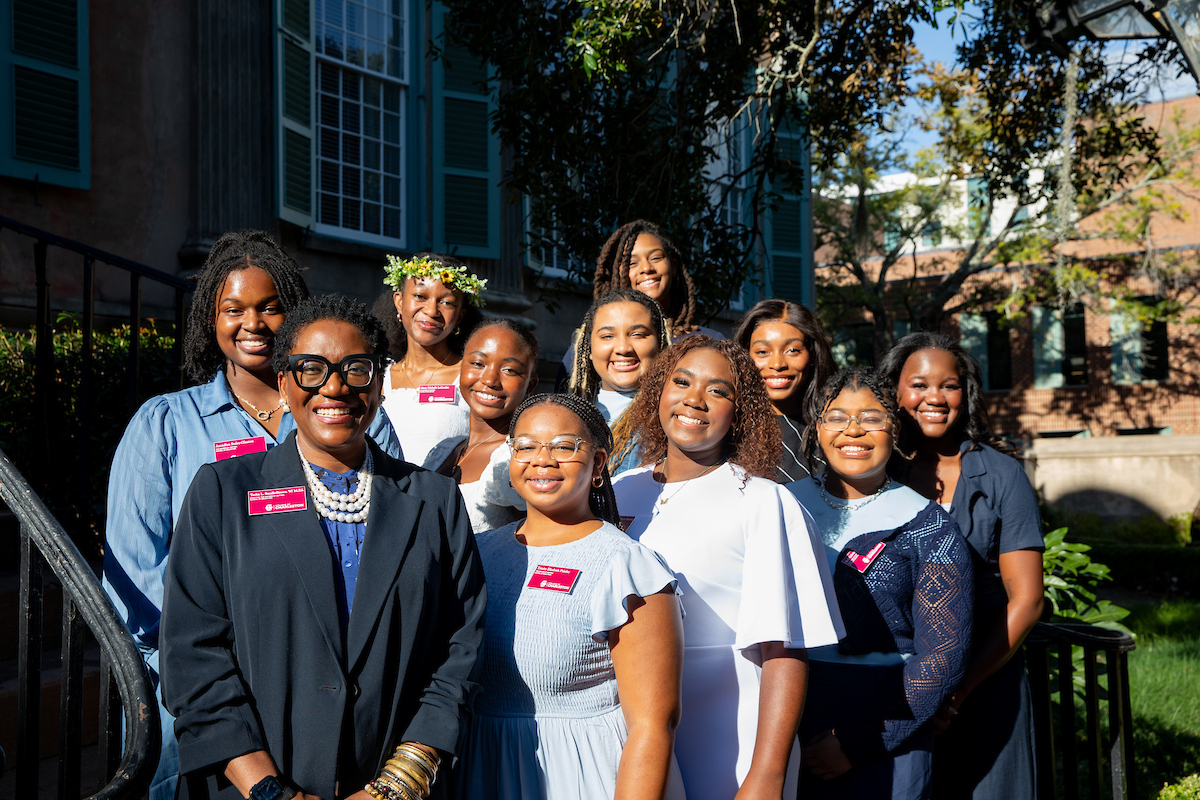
(613, 404)
(421, 426)
(491, 501)
(752, 570)
(895, 506)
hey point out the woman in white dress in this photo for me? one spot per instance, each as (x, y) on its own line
(499, 367)
(621, 334)
(433, 307)
(757, 590)
(580, 667)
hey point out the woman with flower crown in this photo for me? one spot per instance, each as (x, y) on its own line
(433, 307)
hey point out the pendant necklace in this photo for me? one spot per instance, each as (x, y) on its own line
(263, 416)
(664, 500)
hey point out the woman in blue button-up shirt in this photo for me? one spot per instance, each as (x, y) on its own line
(242, 295)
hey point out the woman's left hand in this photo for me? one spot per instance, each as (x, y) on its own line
(822, 755)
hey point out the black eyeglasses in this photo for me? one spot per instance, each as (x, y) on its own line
(311, 371)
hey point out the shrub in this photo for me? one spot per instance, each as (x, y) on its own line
(1071, 578)
(1186, 789)
(1152, 568)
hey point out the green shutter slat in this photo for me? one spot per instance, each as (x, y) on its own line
(466, 216)
(46, 118)
(295, 17)
(466, 134)
(297, 162)
(463, 72)
(297, 87)
(46, 30)
(787, 278)
(785, 225)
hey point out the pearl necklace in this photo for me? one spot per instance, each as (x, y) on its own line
(852, 506)
(340, 507)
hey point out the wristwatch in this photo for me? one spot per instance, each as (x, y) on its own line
(269, 788)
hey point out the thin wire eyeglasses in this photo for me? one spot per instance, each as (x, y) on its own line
(561, 448)
(312, 371)
(836, 421)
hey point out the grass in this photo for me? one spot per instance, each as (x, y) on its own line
(1164, 675)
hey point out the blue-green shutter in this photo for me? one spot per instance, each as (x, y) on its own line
(789, 226)
(973, 336)
(1047, 348)
(466, 154)
(1126, 334)
(45, 107)
(294, 67)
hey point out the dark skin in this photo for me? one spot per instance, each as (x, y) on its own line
(247, 314)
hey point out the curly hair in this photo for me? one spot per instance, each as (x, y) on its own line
(335, 307)
(384, 309)
(753, 441)
(854, 380)
(820, 356)
(975, 424)
(233, 252)
(601, 500)
(612, 272)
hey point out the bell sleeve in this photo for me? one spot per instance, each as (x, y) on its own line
(633, 571)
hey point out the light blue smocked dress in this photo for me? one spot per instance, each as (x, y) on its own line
(549, 724)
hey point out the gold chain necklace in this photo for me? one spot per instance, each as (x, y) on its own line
(263, 416)
(408, 374)
(458, 461)
(663, 501)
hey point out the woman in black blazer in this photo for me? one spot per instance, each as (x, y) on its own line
(324, 602)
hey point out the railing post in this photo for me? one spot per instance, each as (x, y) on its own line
(70, 705)
(29, 667)
(1038, 664)
(1066, 716)
(1127, 734)
(111, 718)
(1091, 704)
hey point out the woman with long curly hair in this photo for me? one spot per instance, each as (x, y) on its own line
(792, 354)
(903, 578)
(756, 590)
(989, 750)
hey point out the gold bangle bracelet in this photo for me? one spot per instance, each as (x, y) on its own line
(403, 762)
(407, 777)
(396, 789)
(419, 754)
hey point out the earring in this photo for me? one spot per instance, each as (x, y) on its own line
(457, 330)
(283, 404)
(598, 481)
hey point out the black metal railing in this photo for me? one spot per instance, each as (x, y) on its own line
(1089, 665)
(44, 385)
(129, 769)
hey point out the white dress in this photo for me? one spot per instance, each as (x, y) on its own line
(752, 570)
(491, 501)
(421, 426)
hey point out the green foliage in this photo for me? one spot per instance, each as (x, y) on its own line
(1186, 789)
(1167, 569)
(23, 426)
(1148, 529)
(1071, 579)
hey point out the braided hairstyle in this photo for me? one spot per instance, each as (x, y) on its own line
(585, 381)
(975, 424)
(753, 441)
(522, 332)
(336, 307)
(820, 356)
(852, 379)
(601, 500)
(234, 251)
(384, 310)
(612, 272)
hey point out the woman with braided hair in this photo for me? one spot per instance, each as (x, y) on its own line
(639, 256)
(622, 333)
(243, 293)
(583, 642)
(756, 589)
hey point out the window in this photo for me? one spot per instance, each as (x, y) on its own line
(45, 109)
(790, 252)
(1059, 347)
(1139, 353)
(985, 337)
(901, 328)
(931, 235)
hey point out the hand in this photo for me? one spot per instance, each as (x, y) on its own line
(945, 715)
(361, 794)
(822, 755)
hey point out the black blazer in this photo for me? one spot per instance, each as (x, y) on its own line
(252, 651)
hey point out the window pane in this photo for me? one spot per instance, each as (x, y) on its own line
(371, 123)
(330, 208)
(370, 186)
(350, 149)
(350, 117)
(354, 18)
(375, 56)
(371, 87)
(330, 144)
(391, 193)
(371, 155)
(351, 182)
(351, 217)
(391, 160)
(356, 49)
(370, 218)
(329, 177)
(391, 223)
(391, 128)
(376, 26)
(333, 12)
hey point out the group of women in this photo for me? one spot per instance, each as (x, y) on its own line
(706, 568)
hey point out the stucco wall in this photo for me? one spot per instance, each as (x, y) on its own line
(1119, 476)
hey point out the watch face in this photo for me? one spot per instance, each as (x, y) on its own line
(268, 788)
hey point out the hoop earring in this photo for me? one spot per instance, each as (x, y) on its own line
(598, 481)
(457, 330)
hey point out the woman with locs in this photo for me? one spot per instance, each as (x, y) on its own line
(325, 602)
(499, 367)
(904, 584)
(584, 643)
(432, 309)
(791, 351)
(244, 291)
(757, 591)
(987, 750)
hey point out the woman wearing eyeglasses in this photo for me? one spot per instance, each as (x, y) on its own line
(584, 643)
(324, 602)
(903, 577)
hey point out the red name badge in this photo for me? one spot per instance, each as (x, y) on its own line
(239, 447)
(554, 579)
(626, 522)
(277, 501)
(861, 563)
(436, 393)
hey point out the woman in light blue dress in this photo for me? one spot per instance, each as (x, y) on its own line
(583, 649)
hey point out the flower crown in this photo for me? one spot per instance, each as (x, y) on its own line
(451, 276)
